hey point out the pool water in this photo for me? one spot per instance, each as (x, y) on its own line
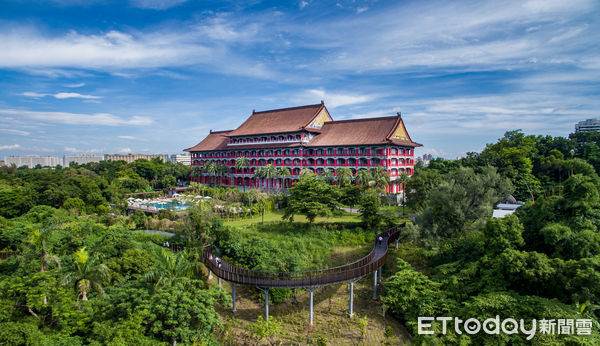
(168, 205)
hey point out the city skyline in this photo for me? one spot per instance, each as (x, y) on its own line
(153, 76)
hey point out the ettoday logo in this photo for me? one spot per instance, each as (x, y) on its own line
(495, 325)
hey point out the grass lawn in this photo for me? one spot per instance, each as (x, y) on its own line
(275, 216)
(329, 242)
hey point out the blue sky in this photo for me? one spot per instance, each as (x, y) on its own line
(156, 75)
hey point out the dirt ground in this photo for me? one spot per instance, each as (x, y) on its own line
(331, 322)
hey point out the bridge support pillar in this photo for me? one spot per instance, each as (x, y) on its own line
(396, 244)
(219, 280)
(351, 306)
(375, 284)
(233, 296)
(209, 274)
(379, 274)
(311, 291)
(266, 290)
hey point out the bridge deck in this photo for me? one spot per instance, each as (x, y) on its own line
(319, 277)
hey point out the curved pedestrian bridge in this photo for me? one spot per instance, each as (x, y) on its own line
(310, 278)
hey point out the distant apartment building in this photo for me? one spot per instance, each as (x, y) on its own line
(129, 158)
(426, 158)
(182, 158)
(81, 159)
(2, 163)
(33, 160)
(588, 125)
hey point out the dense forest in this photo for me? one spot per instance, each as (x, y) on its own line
(81, 272)
(543, 262)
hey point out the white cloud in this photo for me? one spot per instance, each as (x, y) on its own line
(15, 132)
(157, 4)
(126, 137)
(98, 119)
(71, 149)
(61, 95)
(112, 50)
(125, 150)
(13, 146)
(75, 85)
(453, 34)
(333, 100)
(303, 4)
(33, 94)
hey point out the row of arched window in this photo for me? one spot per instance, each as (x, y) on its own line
(314, 162)
(307, 152)
(265, 139)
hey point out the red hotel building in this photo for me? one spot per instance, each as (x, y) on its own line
(306, 137)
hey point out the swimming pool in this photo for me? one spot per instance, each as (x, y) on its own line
(167, 205)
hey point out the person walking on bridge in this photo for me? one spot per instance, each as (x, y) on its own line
(380, 239)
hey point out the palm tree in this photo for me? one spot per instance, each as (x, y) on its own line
(259, 173)
(381, 179)
(223, 170)
(170, 267)
(211, 168)
(403, 179)
(195, 187)
(269, 172)
(306, 171)
(344, 176)
(39, 246)
(283, 173)
(328, 176)
(364, 178)
(89, 274)
(196, 171)
(240, 164)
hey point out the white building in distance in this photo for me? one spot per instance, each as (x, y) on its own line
(129, 158)
(588, 125)
(33, 160)
(81, 159)
(185, 159)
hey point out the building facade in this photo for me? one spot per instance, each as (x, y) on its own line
(129, 158)
(81, 159)
(588, 125)
(300, 138)
(185, 159)
(33, 160)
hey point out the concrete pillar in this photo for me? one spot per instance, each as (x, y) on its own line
(311, 306)
(375, 284)
(267, 305)
(396, 244)
(379, 273)
(351, 307)
(233, 296)
(209, 274)
(219, 280)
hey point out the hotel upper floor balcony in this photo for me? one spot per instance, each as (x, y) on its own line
(316, 153)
